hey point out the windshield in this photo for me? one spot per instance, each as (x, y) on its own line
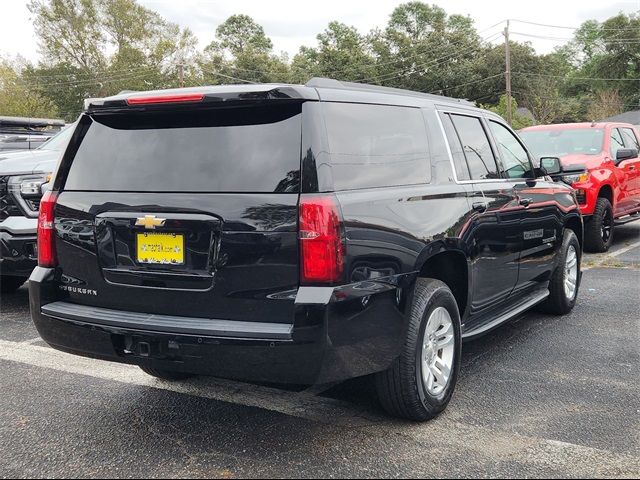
(59, 141)
(557, 143)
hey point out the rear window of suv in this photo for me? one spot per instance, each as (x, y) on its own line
(242, 149)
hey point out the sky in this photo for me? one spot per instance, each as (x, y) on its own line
(291, 24)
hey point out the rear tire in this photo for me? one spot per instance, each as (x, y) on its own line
(565, 281)
(598, 232)
(409, 388)
(11, 284)
(165, 374)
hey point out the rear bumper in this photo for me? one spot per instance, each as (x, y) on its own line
(18, 254)
(337, 333)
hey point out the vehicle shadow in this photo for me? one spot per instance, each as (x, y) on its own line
(17, 299)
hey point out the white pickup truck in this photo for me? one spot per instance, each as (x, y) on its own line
(22, 175)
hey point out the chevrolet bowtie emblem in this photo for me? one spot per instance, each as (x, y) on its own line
(150, 222)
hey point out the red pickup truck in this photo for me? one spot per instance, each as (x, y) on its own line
(609, 191)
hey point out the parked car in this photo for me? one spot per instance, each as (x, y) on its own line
(22, 174)
(299, 234)
(17, 133)
(609, 192)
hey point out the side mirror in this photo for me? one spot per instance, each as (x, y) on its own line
(626, 154)
(550, 166)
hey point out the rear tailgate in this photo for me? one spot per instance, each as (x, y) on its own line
(185, 213)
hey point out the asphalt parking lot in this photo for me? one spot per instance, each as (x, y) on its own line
(542, 396)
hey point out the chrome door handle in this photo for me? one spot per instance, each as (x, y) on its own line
(525, 202)
(479, 207)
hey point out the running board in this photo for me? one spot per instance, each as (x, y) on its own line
(626, 219)
(537, 298)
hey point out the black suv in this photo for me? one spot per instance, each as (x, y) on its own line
(299, 234)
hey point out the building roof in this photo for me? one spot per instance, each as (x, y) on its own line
(632, 116)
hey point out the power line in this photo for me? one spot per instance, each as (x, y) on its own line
(88, 82)
(230, 77)
(430, 63)
(548, 37)
(567, 77)
(568, 28)
(546, 97)
(468, 83)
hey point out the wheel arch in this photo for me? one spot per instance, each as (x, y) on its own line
(451, 267)
(606, 191)
(574, 223)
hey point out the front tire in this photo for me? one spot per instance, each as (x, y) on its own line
(419, 384)
(598, 232)
(565, 281)
(165, 374)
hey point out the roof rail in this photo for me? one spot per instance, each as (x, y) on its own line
(320, 82)
(29, 122)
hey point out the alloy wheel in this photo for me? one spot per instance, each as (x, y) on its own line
(571, 273)
(438, 347)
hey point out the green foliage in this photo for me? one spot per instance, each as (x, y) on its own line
(16, 99)
(518, 121)
(93, 48)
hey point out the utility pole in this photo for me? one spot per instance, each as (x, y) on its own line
(181, 70)
(507, 73)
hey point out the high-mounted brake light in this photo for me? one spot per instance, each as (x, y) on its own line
(46, 247)
(178, 98)
(321, 245)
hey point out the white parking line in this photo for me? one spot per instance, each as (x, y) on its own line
(624, 250)
(446, 435)
(319, 409)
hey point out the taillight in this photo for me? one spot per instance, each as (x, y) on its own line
(177, 98)
(46, 246)
(321, 245)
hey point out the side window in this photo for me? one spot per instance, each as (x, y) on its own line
(630, 139)
(476, 147)
(376, 145)
(616, 142)
(514, 157)
(459, 161)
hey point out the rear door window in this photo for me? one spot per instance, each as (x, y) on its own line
(376, 145)
(459, 161)
(476, 147)
(247, 149)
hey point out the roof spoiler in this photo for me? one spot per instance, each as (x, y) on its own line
(31, 122)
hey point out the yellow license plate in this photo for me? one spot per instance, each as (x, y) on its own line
(160, 248)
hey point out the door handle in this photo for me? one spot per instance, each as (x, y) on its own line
(479, 207)
(525, 202)
(632, 167)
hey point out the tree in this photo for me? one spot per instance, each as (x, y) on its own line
(518, 121)
(606, 103)
(69, 31)
(426, 50)
(17, 100)
(94, 48)
(241, 53)
(239, 33)
(342, 53)
(608, 56)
